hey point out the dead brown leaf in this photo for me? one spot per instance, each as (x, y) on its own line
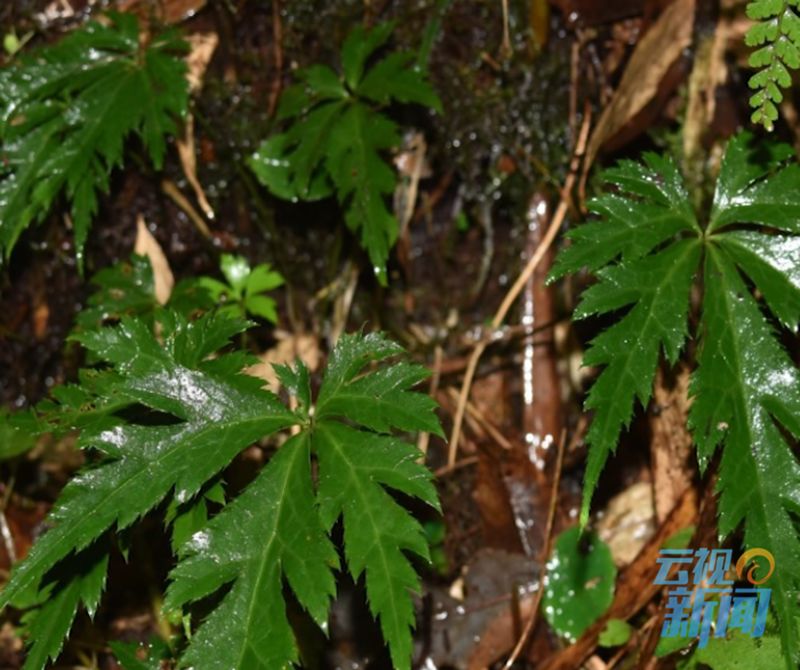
(168, 11)
(289, 347)
(188, 156)
(653, 57)
(202, 47)
(147, 245)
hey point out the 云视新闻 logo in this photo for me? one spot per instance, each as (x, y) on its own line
(702, 596)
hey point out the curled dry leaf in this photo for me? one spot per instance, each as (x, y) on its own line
(146, 245)
(202, 47)
(412, 166)
(652, 59)
(168, 11)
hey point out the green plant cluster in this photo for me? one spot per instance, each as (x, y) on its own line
(339, 134)
(128, 289)
(164, 406)
(276, 529)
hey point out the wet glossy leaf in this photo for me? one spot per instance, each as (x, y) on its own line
(579, 586)
(746, 388)
(271, 532)
(236, 270)
(187, 518)
(218, 413)
(650, 207)
(364, 179)
(355, 466)
(756, 185)
(79, 582)
(657, 286)
(68, 110)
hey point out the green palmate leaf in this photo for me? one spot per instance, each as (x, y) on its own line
(67, 111)
(746, 382)
(268, 533)
(776, 34)
(167, 416)
(359, 46)
(338, 140)
(244, 292)
(658, 287)
(746, 389)
(394, 78)
(773, 264)
(382, 401)
(187, 518)
(355, 466)
(651, 207)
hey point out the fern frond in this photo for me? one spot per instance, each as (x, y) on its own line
(776, 33)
